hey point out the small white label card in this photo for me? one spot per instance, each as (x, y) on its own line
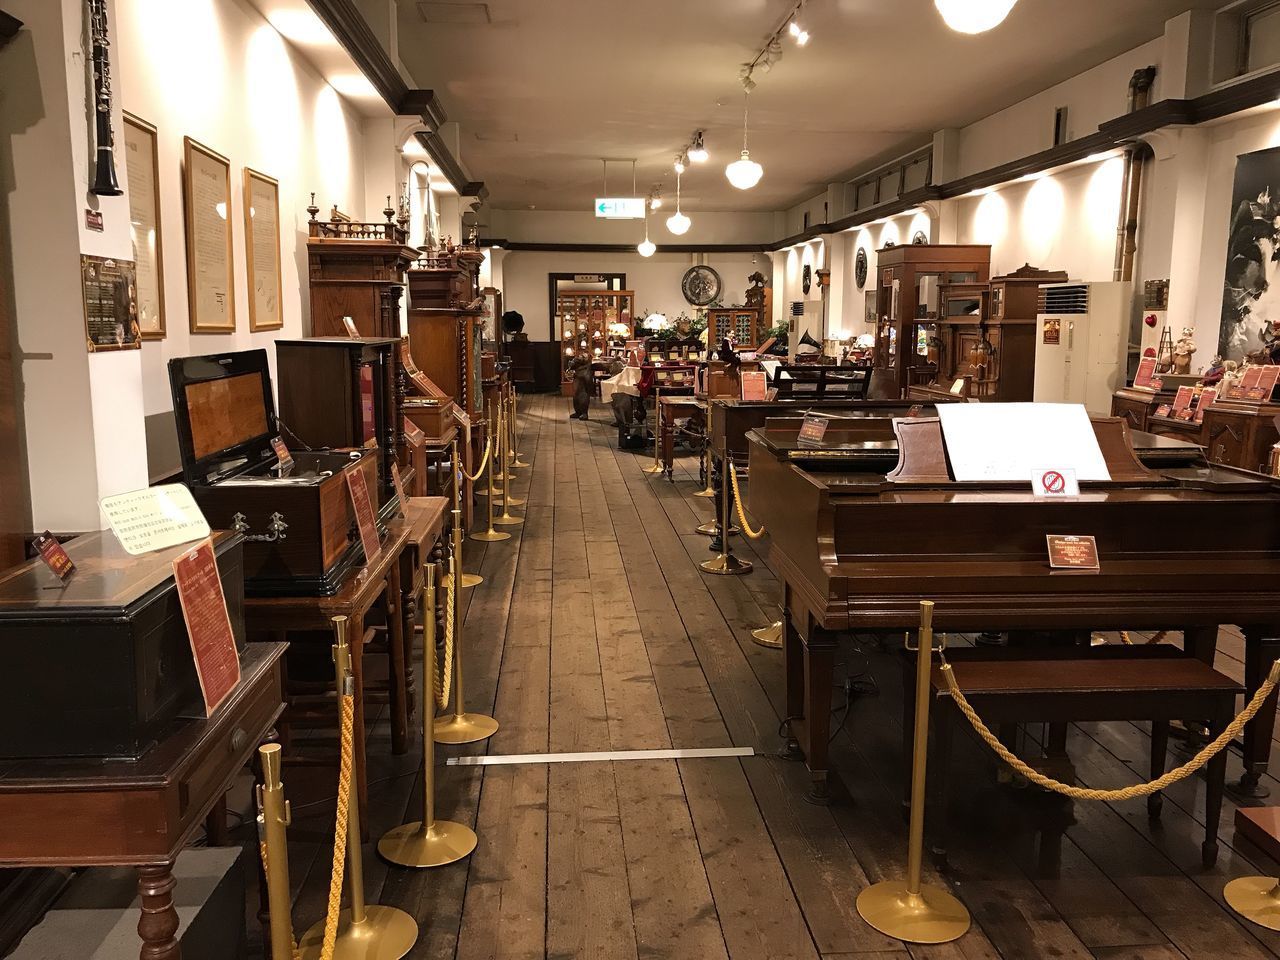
(154, 518)
(1054, 482)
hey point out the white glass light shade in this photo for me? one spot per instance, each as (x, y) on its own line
(744, 173)
(646, 248)
(678, 223)
(973, 16)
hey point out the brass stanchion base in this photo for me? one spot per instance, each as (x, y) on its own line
(654, 469)
(490, 536)
(518, 464)
(468, 728)
(725, 565)
(508, 521)
(712, 529)
(509, 501)
(411, 846)
(931, 916)
(385, 934)
(504, 476)
(770, 636)
(708, 492)
(1255, 899)
(468, 580)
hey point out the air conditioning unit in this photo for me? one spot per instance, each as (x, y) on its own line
(1081, 343)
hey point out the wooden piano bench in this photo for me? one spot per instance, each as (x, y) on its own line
(1119, 686)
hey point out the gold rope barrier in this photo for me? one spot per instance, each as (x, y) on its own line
(1154, 638)
(488, 445)
(1124, 793)
(444, 684)
(737, 502)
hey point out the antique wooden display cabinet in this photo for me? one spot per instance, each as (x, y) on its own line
(356, 270)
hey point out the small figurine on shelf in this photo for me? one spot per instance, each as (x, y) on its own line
(1213, 373)
(1183, 350)
(1230, 377)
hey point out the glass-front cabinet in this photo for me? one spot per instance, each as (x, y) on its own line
(910, 310)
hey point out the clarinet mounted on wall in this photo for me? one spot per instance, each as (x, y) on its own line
(105, 183)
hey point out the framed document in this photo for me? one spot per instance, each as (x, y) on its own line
(262, 250)
(143, 164)
(206, 195)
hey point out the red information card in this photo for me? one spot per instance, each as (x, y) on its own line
(364, 514)
(813, 429)
(753, 385)
(1146, 372)
(53, 555)
(204, 608)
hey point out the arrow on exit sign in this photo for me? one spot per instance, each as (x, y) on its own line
(620, 208)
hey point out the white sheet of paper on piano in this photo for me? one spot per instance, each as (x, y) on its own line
(1007, 441)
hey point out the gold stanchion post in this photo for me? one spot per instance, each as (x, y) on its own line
(506, 495)
(365, 931)
(506, 519)
(710, 489)
(458, 534)
(431, 842)
(913, 911)
(512, 419)
(490, 535)
(725, 564)
(1256, 899)
(656, 467)
(273, 822)
(460, 726)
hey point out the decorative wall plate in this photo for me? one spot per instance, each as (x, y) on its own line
(860, 268)
(919, 238)
(701, 285)
(806, 278)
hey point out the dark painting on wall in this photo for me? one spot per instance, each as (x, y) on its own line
(1251, 288)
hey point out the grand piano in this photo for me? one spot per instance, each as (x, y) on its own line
(865, 524)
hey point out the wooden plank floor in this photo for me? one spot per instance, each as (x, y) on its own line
(594, 630)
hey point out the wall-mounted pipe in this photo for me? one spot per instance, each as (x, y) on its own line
(1135, 156)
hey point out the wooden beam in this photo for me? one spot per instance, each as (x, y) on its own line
(552, 247)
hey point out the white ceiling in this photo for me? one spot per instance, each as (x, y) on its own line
(543, 89)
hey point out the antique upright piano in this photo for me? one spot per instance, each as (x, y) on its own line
(862, 527)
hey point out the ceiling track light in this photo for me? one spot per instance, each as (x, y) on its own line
(697, 151)
(678, 166)
(655, 197)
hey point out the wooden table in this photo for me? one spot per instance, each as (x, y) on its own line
(364, 586)
(141, 813)
(669, 409)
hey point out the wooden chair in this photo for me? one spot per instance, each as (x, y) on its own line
(1107, 684)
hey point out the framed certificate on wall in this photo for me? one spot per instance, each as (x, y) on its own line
(206, 196)
(262, 250)
(142, 164)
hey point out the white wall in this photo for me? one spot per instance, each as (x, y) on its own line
(1091, 98)
(1064, 221)
(655, 280)
(573, 226)
(245, 92)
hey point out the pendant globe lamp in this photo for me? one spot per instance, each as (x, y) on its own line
(744, 173)
(646, 247)
(678, 223)
(974, 16)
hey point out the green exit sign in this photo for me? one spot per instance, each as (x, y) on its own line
(620, 208)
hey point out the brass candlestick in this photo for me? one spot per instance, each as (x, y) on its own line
(458, 534)
(912, 911)
(365, 931)
(656, 467)
(709, 490)
(430, 842)
(506, 519)
(725, 563)
(273, 821)
(460, 726)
